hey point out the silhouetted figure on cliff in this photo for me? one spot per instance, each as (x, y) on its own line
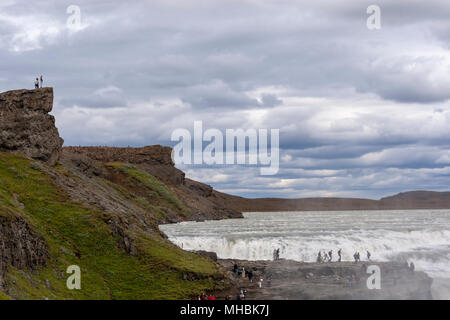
(42, 81)
(368, 255)
(340, 255)
(36, 83)
(330, 255)
(276, 254)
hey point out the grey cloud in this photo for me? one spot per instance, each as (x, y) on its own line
(358, 103)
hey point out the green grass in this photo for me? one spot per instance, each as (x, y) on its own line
(157, 194)
(4, 296)
(77, 235)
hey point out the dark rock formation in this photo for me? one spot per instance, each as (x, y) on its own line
(208, 255)
(26, 127)
(20, 246)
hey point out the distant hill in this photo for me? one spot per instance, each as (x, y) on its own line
(405, 200)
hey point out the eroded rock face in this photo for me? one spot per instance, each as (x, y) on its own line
(156, 160)
(26, 127)
(20, 246)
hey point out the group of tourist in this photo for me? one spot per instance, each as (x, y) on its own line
(241, 272)
(323, 257)
(205, 297)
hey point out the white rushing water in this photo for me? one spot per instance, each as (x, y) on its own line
(421, 236)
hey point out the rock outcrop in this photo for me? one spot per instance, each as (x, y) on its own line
(156, 160)
(203, 202)
(26, 127)
(20, 246)
(293, 280)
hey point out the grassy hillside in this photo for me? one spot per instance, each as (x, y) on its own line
(79, 235)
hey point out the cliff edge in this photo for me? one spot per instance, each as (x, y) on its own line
(26, 127)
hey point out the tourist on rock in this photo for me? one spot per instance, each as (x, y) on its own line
(236, 270)
(368, 255)
(330, 255)
(42, 81)
(340, 255)
(243, 272)
(276, 254)
(250, 275)
(355, 256)
(36, 83)
(412, 267)
(319, 257)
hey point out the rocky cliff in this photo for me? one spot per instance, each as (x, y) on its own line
(99, 208)
(26, 127)
(200, 201)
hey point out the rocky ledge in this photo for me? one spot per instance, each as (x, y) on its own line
(26, 127)
(292, 280)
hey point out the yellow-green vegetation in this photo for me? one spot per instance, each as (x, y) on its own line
(78, 235)
(154, 194)
(4, 296)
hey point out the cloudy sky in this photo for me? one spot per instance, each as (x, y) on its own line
(361, 113)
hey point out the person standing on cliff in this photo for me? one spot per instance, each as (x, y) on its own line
(42, 81)
(330, 254)
(36, 83)
(319, 257)
(340, 255)
(368, 255)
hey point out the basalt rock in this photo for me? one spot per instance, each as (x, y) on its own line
(20, 246)
(26, 127)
